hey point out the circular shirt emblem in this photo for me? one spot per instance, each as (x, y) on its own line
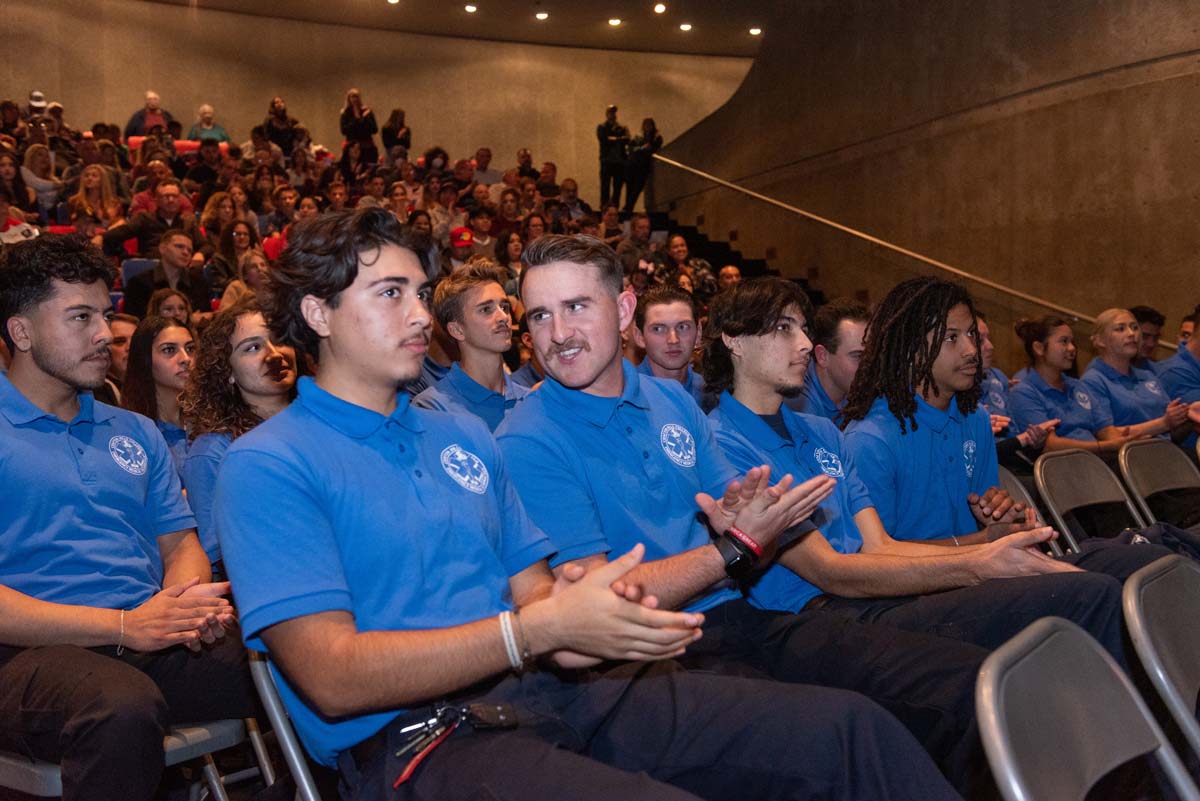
(467, 469)
(1154, 387)
(969, 457)
(1083, 400)
(831, 465)
(678, 445)
(128, 454)
(996, 401)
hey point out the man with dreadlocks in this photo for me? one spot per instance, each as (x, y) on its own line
(919, 439)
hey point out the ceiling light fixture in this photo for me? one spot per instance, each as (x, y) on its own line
(687, 26)
(614, 22)
(659, 8)
(393, 2)
(755, 31)
(470, 9)
(542, 15)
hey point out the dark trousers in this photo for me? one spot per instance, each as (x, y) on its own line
(635, 182)
(1115, 558)
(660, 733)
(612, 177)
(103, 717)
(927, 682)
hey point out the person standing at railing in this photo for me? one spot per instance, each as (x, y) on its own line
(641, 161)
(614, 144)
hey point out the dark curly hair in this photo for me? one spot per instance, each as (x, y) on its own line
(750, 308)
(29, 269)
(901, 343)
(211, 402)
(321, 260)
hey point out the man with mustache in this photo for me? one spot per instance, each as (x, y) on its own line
(473, 309)
(105, 592)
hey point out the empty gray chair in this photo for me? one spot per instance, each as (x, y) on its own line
(1050, 738)
(293, 752)
(1073, 479)
(1150, 466)
(1019, 492)
(1162, 604)
(182, 743)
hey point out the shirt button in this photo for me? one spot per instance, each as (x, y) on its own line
(628, 430)
(645, 454)
(401, 448)
(419, 473)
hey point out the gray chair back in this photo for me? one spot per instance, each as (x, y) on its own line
(1072, 479)
(1019, 492)
(289, 743)
(1155, 465)
(1049, 737)
(1162, 604)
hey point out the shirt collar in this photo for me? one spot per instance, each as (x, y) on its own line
(350, 419)
(1136, 374)
(19, 410)
(758, 431)
(936, 419)
(594, 409)
(471, 389)
(817, 389)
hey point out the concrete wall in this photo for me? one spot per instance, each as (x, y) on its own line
(99, 57)
(1048, 146)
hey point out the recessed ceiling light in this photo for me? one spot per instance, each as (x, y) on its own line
(614, 22)
(659, 8)
(542, 15)
(687, 26)
(755, 31)
(393, 2)
(470, 9)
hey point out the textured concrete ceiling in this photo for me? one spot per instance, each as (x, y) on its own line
(719, 27)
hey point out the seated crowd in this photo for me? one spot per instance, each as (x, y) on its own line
(519, 504)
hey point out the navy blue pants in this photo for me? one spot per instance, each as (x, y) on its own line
(658, 732)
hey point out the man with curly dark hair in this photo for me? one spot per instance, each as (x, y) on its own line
(104, 587)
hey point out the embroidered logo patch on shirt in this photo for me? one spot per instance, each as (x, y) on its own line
(969, 457)
(467, 469)
(678, 445)
(1154, 387)
(1083, 400)
(831, 465)
(996, 401)
(129, 455)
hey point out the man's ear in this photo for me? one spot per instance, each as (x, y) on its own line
(626, 303)
(821, 354)
(21, 333)
(455, 330)
(315, 312)
(733, 343)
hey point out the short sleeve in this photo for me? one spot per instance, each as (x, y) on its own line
(1028, 407)
(1102, 412)
(200, 475)
(167, 509)
(873, 464)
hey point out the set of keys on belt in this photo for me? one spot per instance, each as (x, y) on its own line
(426, 735)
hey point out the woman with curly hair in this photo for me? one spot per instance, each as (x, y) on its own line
(218, 213)
(240, 378)
(160, 359)
(237, 239)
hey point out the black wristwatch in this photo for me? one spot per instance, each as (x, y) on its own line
(739, 560)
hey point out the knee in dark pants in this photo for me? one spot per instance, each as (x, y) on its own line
(122, 710)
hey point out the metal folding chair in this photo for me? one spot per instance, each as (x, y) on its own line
(1073, 479)
(182, 743)
(1162, 602)
(1049, 737)
(1150, 466)
(1019, 492)
(289, 743)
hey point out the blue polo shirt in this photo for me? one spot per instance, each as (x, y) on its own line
(526, 375)
(1124, 400)
(1034, 401)
(994, 395)
(177, 443)
(920, 480)
(694, 385)
(600, 475)
(813, 399)
(458, 393)
(407, 522)
(1180, 375)
(86, 501)
(200, 477)
(815, 447)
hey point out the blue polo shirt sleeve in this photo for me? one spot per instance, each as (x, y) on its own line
(429, 398)
(200, 476)
(167, 510)
(1028, 406)
(278, 542)
(987, 462)
(522, 543)
(552, 490)
(1102, 412)
(857, 496)
(875, 468)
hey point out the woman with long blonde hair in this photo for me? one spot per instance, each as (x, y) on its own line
(96, 198)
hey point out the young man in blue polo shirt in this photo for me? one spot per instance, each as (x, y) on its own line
(918, 438)
(604, 458)
(667, 328)
(474, 310)
(403, 596)
(837, 334)
(756, 351)
(104, 587)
